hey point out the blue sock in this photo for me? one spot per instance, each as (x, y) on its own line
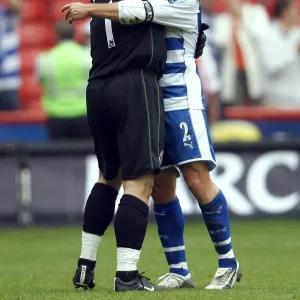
(215, 215)
(170, 221)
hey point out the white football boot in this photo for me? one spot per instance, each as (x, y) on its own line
(175, 281)
(225, 278)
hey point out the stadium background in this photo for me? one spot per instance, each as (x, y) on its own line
(44, 185)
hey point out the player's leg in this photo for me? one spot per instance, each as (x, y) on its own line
(98, 214)
(130, 228)
(164, 193)
(215, 214)
(187, 129)
(170, 221)
(211, 200)
(100, 205)
(140, 123)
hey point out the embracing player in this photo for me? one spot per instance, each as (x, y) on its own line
(188, 144)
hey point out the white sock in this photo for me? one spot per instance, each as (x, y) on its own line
(127, 259)
(89, 245)
(229, 254)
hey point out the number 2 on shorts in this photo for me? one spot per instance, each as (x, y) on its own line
(186, 136)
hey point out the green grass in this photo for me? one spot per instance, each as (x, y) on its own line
(39, 263)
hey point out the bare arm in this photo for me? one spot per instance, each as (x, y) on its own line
(79, 11)
(107, 11)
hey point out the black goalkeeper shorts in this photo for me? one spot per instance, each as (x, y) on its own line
(126, 119)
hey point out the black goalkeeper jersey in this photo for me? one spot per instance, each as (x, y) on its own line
(116, 48)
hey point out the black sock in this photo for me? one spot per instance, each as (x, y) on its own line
(130, 228)
(85, 262)
(98, 214)
(127, 276)
(99, 209)
(131, 222)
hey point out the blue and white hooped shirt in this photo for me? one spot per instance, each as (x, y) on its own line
(9, 51)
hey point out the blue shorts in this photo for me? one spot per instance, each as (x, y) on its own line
(187, 138)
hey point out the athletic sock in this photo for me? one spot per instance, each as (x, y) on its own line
(98, 214)
(89, 246)
(217, 221)
(127, 259)
(170, 221)
(130, 229)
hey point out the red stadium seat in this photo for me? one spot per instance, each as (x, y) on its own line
(270, 7)
(28, 59)
(30, 92)
(34, 10)
(37, 34)
(79, 36)
(56, 6)
(219, 6)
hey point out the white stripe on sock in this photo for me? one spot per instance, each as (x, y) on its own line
(224, 243)
(127, 259)
(181, 265)
(173, 249)
(89, 245)
(229, 254)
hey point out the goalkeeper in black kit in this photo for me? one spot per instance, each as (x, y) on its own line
(126, 118)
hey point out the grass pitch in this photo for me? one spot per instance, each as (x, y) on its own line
(39, 263)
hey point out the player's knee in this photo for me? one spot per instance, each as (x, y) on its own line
(140, 187)
(195, 185)
(114, 183)
(164, 189)
(197, 178)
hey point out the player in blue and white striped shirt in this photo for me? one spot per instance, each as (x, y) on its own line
(188, 144)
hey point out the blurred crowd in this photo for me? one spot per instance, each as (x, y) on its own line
(252, 57)
(9, 57)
